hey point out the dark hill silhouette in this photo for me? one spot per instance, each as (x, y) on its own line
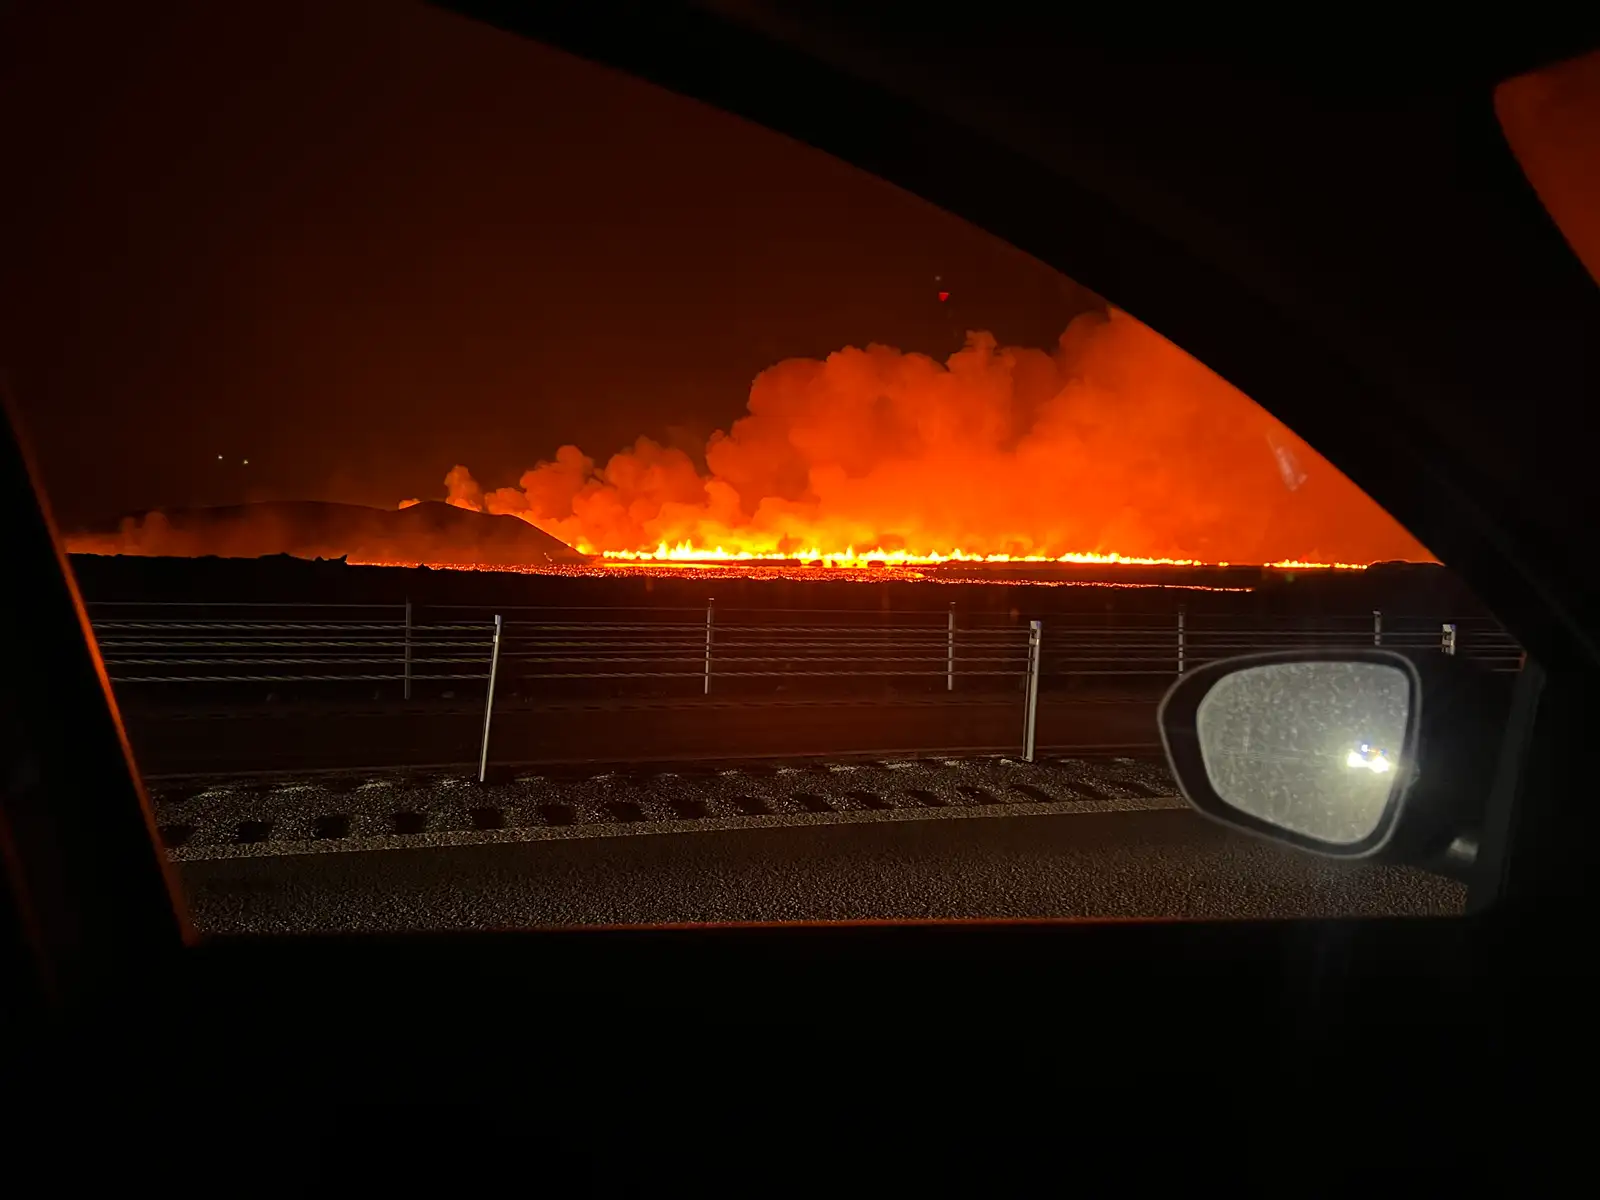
(429, 532)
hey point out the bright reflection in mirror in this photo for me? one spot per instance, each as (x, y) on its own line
(1311, 747)
(1365, 757)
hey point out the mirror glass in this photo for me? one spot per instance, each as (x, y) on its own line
(1311, 747)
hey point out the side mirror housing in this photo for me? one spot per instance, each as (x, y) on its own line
(1351, 753)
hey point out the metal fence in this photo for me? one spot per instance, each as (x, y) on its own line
(709, 650)
(1164, 647)
(252, 643)
(272, 644)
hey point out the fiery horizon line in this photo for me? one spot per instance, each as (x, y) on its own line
(687, 552)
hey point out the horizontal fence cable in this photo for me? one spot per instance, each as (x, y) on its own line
(1011, 674)
(395, 678)
(274, 662)
(92, 604)
(116, 645)
(252, 626)
(236, 648)
(766, 660)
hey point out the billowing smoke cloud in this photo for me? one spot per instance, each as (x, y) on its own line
(1114, 441)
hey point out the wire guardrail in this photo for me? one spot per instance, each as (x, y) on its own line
(392, 645)
(251, 642)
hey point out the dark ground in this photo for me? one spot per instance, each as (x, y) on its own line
(1417, 589)
(312, 737)
(1168, 864)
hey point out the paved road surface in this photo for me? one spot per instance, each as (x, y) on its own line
(332, 737)
(253, 815)
(1162, 863)
(949, 836)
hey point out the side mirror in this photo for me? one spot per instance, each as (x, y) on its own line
(1355, 754)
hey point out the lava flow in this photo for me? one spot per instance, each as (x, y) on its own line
(1114, 448)
(687, 552)
(770, 570)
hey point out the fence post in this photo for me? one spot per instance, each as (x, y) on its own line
(950, 651)
(1030, 721)
(1447, 638)
(710, 612)
(408, 647)
(488, 704)
(1180, 639)
(1377, 628)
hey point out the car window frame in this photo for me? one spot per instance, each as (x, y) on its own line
(91, 885)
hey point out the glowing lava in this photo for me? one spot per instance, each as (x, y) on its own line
(688, 552)
(1112, 448)
(769, 570)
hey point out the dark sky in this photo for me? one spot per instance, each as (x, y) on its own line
(358, 241)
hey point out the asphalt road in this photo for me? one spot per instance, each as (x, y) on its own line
(329, 737)
(1158, 863)
(701, 835)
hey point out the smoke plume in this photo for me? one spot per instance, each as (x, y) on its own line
(1115, 441)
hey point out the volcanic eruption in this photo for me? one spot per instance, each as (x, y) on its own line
(1113, 445)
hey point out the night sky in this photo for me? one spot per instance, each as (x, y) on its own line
(359, 242)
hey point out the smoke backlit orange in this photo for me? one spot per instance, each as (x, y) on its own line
(1114, 447)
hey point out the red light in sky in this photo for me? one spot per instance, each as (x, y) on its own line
(943, 296)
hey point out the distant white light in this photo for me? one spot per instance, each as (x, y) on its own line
(1368, 757)
(247, 462)
(219, 458)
